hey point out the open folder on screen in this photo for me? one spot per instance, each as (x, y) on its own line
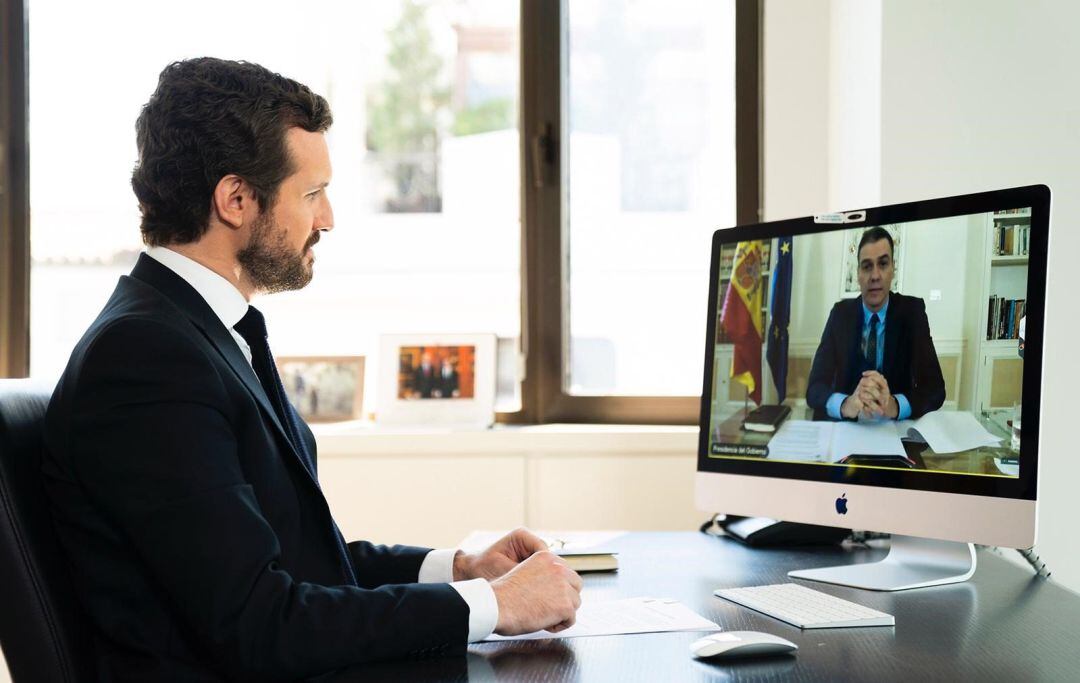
(834, 441)
(943, 431)
(947, 431)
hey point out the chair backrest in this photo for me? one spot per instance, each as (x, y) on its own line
(43, 630)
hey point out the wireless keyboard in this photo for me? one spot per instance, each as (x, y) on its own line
(804, 607)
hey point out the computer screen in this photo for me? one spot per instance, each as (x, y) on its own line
(880, 352)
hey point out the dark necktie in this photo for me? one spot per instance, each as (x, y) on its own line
(252, 327)
(871, 344)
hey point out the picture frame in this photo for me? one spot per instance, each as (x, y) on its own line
(324, 388)
(436, 379)
(849, 272)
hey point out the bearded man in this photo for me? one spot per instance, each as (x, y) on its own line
(184, 487)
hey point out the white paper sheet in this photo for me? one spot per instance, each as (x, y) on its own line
(948, 431)
(802, 440)
(632, 615)
(865, 438)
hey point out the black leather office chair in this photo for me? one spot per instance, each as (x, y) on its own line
(44, 633)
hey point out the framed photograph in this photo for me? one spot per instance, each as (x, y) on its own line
(324, 388)
(433, 379)
(849, 285)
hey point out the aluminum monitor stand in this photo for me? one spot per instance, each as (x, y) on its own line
(912, 562)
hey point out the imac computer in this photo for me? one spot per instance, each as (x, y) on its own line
(880, 369)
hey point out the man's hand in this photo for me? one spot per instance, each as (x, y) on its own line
(852, 406)
(540, 593)
(499, 558)
(876, 398)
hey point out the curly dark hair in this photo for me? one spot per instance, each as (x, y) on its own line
(209, 118)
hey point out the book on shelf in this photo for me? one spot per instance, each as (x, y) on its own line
(1003, 318)
(589, 559)
(766, 418)
(1011, 240)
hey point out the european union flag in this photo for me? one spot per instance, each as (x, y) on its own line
(780, 316)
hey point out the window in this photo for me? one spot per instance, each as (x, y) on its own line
(425, 150)
(547, 171)
(649, 175)
(648, 115)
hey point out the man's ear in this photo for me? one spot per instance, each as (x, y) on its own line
(233, 201)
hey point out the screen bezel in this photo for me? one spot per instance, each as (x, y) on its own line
(1023, 487)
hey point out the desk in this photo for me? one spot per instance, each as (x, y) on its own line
(1003, 625)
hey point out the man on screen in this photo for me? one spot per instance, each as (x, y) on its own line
(876, 359)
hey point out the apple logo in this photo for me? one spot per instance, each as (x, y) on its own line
(841, 504)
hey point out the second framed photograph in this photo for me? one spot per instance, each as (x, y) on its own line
(436, 379)
(324, 388)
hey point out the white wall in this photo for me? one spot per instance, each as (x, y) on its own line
(795, 63)
(855, 103)
(934, 260)
(980, 95)
(973, 95)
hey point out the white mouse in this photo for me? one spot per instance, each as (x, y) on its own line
(740, 644)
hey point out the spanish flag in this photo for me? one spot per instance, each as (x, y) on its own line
(741, 316)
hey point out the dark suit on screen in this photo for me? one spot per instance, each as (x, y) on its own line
(910, 363)
(201, 545)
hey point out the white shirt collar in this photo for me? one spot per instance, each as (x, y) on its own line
(223, 298)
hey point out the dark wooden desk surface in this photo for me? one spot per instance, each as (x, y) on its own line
(1003, 625)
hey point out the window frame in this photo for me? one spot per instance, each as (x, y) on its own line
(14, 193)
(544, 295)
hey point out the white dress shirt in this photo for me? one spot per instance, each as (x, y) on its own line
(230, 306)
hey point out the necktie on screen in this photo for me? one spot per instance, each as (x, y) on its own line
(871, 344)
(252, 327)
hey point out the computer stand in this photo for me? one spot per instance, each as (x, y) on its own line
(912, 562)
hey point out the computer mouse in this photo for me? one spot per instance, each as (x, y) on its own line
(740, 644)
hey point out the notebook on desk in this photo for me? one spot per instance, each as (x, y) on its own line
(584, 551)
(766, 418)
(589, 559)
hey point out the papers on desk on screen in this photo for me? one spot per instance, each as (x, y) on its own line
(943, 431)
(633, 615)
(947, 431)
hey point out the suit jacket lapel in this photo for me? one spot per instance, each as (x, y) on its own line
(853, 342)
(185, 298)
(892, 336)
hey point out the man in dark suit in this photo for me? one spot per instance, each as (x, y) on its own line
(876, 358)
(424, 378)
(449, 381)
(184, 486)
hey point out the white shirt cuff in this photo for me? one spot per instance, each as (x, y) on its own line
(438, 566)
(483, 607)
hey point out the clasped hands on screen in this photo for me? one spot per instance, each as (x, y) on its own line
(534, 588)
(871, 399)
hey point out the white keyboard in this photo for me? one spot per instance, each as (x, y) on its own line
(806, 608)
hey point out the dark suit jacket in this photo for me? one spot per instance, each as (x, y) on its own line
(200, 545)
(909, 362)
(425, 380)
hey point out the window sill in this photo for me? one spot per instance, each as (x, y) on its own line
(360, 438)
